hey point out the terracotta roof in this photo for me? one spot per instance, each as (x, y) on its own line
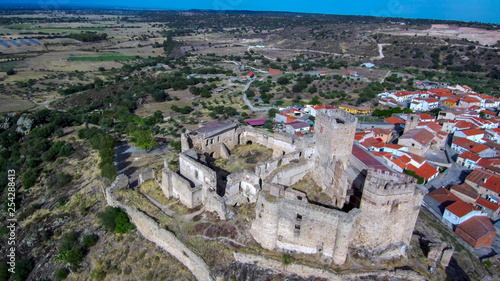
(274, 71)
(394, 120)
(378, 131)
(434, 126)
(478, 176)
(452, 101)
(443, 196)
(460, 208)
(415, 157)
(469, 155)
(425, 116)
(469, 100)
(398, 162)
(431, 100)
(487, 204)
(425, 171)
(371, 141)
(394, 146)
(421, 136)
(489, 112)
(462, 124)
(465, 189)
(477, 227)
(473, 132)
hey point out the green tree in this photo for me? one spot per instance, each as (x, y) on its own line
(272, 112)
(61, 274)
(268, 124)
(28, 179)
(90, 240)
(11, 71)
(143, 139)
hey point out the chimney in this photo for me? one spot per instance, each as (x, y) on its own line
(485, 180)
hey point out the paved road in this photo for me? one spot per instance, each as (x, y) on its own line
(44, 104)
(247, 102)
(456, 174)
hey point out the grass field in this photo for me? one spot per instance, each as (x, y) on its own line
(10, 105)
(102, 58)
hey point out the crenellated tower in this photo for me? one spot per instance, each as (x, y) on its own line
(389, 209)
(334, 135)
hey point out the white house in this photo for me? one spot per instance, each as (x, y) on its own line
(459, 212)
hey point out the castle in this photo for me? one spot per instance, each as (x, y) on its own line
(370, 207)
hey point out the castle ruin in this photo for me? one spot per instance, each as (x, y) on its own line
(365, 205)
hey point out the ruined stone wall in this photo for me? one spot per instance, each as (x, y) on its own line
(390, 205)
(214, 203)
(174, 185)
(196, 171)
(280, 143)
(242, 188)
(291, 223)
(161, 237)
(265, 169)
(291, 175)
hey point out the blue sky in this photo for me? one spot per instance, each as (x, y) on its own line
(465, 10)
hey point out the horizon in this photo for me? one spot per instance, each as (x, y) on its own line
(484, 11)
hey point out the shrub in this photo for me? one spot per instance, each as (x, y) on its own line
(23, 269)
(68, 241)
(114, 219)
(90, 240)
(75, 256)
(4, 273)
(61, 274)
(59, 180)
(28, 179)
(98, 274)
(11, 71)
(286, 258)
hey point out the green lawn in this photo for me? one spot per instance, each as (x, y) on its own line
(102, 58)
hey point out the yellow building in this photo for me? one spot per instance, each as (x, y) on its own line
(356, 109)
(450, 103)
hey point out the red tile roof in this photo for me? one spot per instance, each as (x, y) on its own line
(477, 227)
(469, 100)
(431, 100)
(443, 196)
(460, 208)
(394, 120)
(462, 124)
(399, 163)
(274, 71)
(492, 181)
(473, 132)
(465, 189)
(422, 136)
(426, 117)
(469, 155)
(451, 101)
(487, 204)
(425, 171)
(415, 157)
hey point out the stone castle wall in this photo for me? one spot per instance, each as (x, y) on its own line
(390, 205)
(291, 223)
(161, 237)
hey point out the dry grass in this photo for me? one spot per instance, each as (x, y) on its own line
(312, 190)
(245, 157)
(137, 201)
(10, 105)
(152, 189)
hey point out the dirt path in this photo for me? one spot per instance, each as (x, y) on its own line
(380, 51)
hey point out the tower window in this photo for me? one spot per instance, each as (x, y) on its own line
(299, 217)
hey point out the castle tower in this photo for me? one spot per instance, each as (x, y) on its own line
(334, 136)
(411, 122)
(389, 209)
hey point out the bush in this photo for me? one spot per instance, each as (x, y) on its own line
(4, 271)
(23, 269)
(98, 274)
(75, 256)
(59, 180)
(286, 258)
(90, 240)
(61, 274)
(114, 219)
(28, 179)
(11, 71)
(68, 241)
